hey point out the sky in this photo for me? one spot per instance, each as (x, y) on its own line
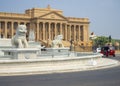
(104, 15)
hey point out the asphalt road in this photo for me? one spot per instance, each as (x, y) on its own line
(101, 77)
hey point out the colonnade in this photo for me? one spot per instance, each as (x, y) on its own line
(8, 28)
(47, 30)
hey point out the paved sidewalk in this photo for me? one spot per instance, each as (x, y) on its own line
(65, 67)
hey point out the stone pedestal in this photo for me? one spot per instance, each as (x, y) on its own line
(21, 53)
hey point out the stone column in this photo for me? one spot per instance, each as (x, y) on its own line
(40, 31)
(55, 31)
(86, 33)
(46, 29)
(70, 32)
(31, 25)
(82, 33)
(61, 29)
(18, 23)
(43, 31)
(12, 29)
(78, 33)
(5, 29)
(37, 31)
(24, 23)
(65, 32)
(49, 31)
(74, 32)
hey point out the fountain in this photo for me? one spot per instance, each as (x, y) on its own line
(57, 48)
(32, 43)
(31, 35)
(57, 42)
(4, 43)
(20, 49)
(26, 59)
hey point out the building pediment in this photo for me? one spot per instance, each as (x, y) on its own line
(53, 15)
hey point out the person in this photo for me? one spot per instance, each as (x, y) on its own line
(71, 42)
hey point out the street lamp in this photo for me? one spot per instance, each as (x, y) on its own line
(110, 38)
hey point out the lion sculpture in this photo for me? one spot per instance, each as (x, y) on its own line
(19, 40)
(57, 42)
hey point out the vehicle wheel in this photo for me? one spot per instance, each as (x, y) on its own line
(106, 55)
(113, 55)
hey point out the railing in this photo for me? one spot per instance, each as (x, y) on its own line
(55, 52)
(82, 48)
(14, 15)
(61, 52)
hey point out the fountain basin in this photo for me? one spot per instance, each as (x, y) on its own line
(46, 64)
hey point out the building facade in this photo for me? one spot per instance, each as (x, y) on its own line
(46, 23)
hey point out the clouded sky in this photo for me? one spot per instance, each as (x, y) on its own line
(104, 15)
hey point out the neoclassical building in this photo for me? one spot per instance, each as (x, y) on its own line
(46, 23)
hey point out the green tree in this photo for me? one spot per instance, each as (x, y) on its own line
(100, 41)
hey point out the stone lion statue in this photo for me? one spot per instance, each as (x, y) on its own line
(57, 42)
(19, 40)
